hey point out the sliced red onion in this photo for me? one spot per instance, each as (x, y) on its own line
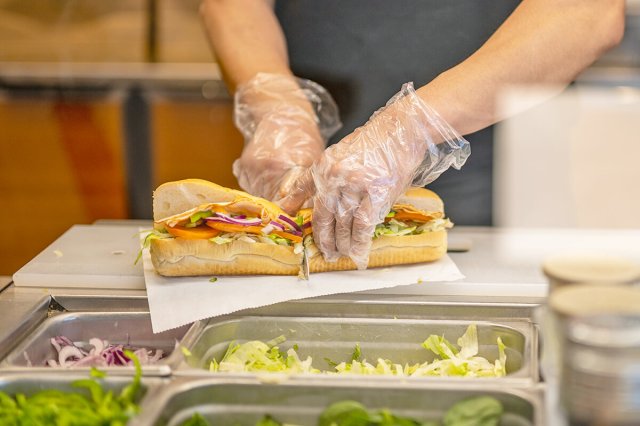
(290, 222)
(101, 354)
(297, 233)
(221, 217)
(121, 359)
(306, 225)
(62, 340)
(90, 360)
(277, 225)
(55, 344)
(98, 345)
(68, 352)
(157, 357)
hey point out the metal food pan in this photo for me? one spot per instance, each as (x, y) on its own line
(132, 328)
(244, 403)
(396, 339)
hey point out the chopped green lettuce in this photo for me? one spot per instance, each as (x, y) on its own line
(257, 357)
(196, 217)
(154, 234)
(250, 238)
(395, 228)
(462, 361)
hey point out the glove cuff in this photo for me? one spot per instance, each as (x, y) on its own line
(445, 146)
(266, 93)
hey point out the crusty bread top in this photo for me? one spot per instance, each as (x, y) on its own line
(174, 198)
(422, 199)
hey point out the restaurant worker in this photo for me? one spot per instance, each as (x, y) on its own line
(278, 59)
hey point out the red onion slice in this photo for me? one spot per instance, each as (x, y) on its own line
(221, 217)
(290, 222)
(55, 344)
(102, 354)
(306, 225)
(69, 352)
(277, 225)
(98, 345)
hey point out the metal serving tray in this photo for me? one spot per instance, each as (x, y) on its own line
(132, 328)
(379, 334)
(244, 402)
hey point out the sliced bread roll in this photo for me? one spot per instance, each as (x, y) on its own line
(177, 257)
(398, 250)
(388, 251)
(175, 202)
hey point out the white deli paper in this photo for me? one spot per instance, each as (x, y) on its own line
(176, 301)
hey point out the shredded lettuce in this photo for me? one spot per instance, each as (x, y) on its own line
(154, 234)
(279, 240)
(393, 228)
(199, 216)
(251, 238)
(258, 357)
(462, 361)
(396, 228)
(221, 239)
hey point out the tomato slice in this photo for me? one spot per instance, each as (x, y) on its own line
(288, 236)
(197, 233)
(415, 217)
(232, 227)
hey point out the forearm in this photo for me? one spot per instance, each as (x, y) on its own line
(544, 42)
(246, 38)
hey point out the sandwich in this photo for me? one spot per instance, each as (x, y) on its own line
(414, 231)
(201, 228)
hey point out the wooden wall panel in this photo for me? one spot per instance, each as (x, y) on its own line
(73, 31)
(194, 140)
(61, 163)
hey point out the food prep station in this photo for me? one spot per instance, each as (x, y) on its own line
(389, 324)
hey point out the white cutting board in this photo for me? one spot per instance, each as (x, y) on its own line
(87, 256)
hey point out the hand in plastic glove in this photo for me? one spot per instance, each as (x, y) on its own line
(285, 122)
(357, 180)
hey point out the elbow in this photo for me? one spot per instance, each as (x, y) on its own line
(611, 25)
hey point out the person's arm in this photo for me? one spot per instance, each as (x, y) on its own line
(285, 121)
(543, 42)
(415, 137)
(246, 38)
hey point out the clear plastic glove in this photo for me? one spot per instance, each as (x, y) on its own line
(356, 181)
(285, 122)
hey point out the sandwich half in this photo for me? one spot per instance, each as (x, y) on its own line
(201, 228)
(414, 231)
